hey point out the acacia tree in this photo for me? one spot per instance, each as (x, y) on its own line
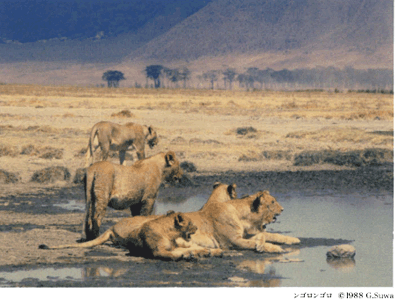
(113, 77)
(185, 75)
(245, 80)
(212, 76)
(229, 75)
(174, 76)
(153, 72)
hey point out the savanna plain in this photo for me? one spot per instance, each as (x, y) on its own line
(321, 153)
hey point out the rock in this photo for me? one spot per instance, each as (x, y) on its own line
(341, 251)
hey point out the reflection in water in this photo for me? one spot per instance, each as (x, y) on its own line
(102, 272)
(254, 266)
(342, 264)
(72, 205)
(264, 283)
(271, 281)
(259, 266)
(264, 267)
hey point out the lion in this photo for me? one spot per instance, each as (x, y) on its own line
(165, 237)
(117, 137)
(227, 223)
(120, 187)
(240, 224)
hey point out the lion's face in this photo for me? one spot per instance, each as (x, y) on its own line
(271, 203)
(264, 208)
(152, 139)
(185, 226)
(172, 172)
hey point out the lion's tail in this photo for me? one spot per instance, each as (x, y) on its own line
(88, 182)
(89, 153)
(98, 241)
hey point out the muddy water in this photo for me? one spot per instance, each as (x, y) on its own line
(320, 220)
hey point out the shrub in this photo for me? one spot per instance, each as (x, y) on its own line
(51, 174)
(8, 177)
(245, 130)
(123, 114)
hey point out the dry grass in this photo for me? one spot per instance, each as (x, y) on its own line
(6, 150)
(303, 104)
(338, 135)
(213, 130)
(123, 114)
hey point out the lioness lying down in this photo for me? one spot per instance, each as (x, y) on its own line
(240, 224)
(165, 237)
(222, 224)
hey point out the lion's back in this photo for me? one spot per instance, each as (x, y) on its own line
(101, 167)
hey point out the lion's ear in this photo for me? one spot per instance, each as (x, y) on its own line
(216, 184)
(256, 204)
(232, 191)
(170, 158)
(179, 220)
(150, 129)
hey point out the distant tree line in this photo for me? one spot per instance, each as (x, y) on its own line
(316, 78)
(159, 76)
(166, 77)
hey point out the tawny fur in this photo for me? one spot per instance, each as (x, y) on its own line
(164, 237)
(239, 224)
(120, 187)
(115, 137)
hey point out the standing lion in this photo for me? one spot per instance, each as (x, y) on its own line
(117, 137)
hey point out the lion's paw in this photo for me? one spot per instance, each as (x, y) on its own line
(202, 253)
(292, 240)
(268, 248)
(216, 252)
(183, 243)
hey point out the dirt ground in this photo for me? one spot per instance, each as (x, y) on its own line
(223, 136)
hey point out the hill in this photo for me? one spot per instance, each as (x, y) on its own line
(200, 35)
(355, 32)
